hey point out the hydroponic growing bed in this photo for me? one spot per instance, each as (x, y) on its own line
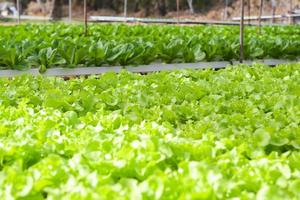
(60, 45)
(227, 134)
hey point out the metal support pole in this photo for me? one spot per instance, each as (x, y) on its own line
(19, 11)
(260, 14)
(242, 32)
(274, 4)
(125, 10)
(177, 8)
(85, 18)
(225, 10)
(70, 10)
(291, 12)
(273, 14)
(249, 11)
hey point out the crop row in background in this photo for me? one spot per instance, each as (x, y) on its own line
(45, 46)
(227, 134)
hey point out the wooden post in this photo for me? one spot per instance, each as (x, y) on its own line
(85, 18)
(19, 11)
(242, 32)
(70, 10)
(177, 8)
(260, 14)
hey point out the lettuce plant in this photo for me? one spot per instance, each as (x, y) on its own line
(227, 134)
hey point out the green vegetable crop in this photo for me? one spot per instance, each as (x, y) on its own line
(61, 45)
(226, 134)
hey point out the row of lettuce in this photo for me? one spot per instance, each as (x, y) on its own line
(51, 45)
(227, 134)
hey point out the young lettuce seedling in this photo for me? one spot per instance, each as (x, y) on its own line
(46, 58)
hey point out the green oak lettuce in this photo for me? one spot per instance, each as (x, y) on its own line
(227, 134)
